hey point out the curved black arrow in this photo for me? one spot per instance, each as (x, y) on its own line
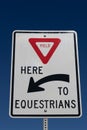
(34, 86)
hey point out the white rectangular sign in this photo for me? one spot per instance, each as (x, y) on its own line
(45, 74)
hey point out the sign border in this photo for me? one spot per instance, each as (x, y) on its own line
(12, 78)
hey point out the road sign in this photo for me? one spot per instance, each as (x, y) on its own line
(45, 44)
(45, 74)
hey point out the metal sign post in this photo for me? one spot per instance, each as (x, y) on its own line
(45, 123)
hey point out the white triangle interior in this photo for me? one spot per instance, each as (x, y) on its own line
(44, 47)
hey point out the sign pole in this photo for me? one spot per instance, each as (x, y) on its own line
(45, 123)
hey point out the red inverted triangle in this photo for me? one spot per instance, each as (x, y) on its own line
(43, 58)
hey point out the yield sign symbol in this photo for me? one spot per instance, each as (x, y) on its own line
(44, 42)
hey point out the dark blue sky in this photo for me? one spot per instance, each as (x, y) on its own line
(41, 15)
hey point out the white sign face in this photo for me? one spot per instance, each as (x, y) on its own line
(45, 74)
